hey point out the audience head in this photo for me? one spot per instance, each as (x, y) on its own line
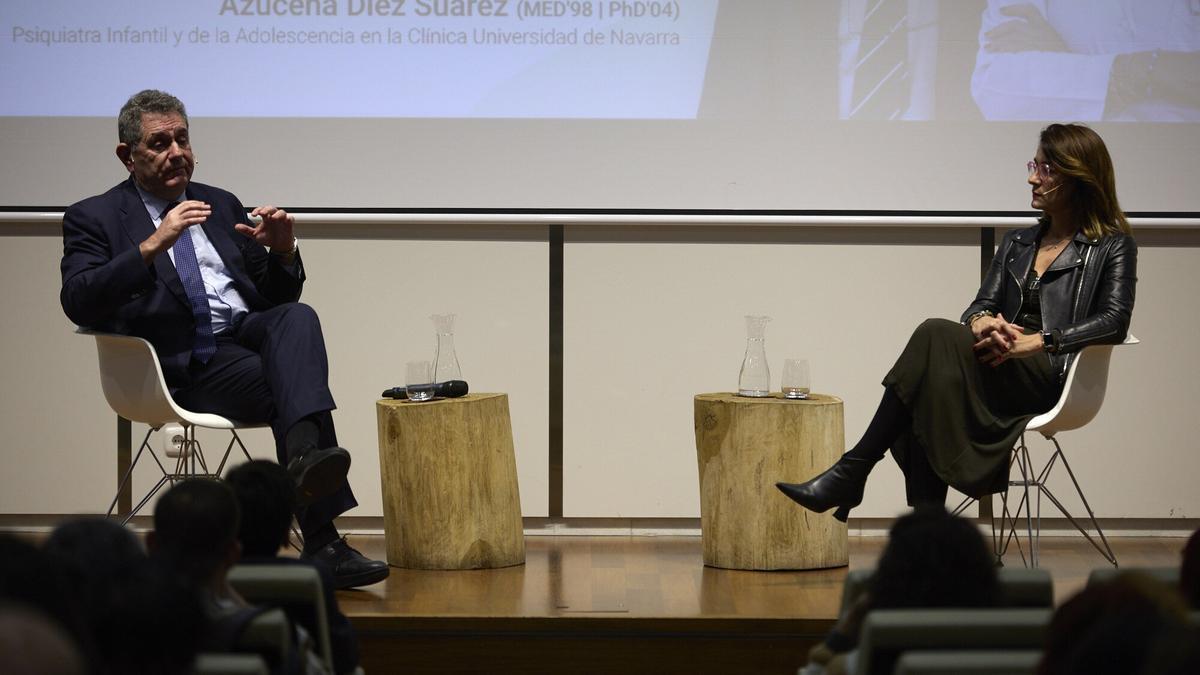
(195, 529)
(1111, 627)
(96, 546)
(31, 577)
(1175, 652)
(1078, 154)
(934, 559)
(31, 643)
(138, 618)
(267, 497)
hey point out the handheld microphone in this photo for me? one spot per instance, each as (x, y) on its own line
(447, 389)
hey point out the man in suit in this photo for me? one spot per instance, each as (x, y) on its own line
(179, 264)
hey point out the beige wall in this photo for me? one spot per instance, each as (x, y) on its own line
(653, 315)
(374, 293)
(663, 312)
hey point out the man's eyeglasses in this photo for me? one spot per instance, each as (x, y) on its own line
(1043, 169)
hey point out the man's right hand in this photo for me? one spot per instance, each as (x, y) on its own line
(183, 216)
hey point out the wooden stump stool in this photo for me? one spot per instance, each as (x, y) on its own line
(743, 446)
(450, 496)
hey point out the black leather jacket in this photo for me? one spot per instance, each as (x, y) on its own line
(1086, 294)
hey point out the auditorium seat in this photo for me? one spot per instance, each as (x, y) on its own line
(981, 662)
(886, 634)
(1019, 587)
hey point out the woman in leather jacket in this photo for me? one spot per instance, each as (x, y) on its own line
(960, 394)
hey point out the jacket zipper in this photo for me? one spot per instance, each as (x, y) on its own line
(1020, 289)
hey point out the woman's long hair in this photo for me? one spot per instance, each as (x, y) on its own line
(1077, 152)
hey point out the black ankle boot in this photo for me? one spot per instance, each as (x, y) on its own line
(840, 485)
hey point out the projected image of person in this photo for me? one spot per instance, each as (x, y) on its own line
(887, 59)
(961, 393)
(1132, 60)
(179, 264)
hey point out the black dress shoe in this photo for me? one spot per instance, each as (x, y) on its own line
(318, 473)
(841, 485)
(348, 567)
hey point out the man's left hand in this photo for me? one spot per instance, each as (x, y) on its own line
(274, 229)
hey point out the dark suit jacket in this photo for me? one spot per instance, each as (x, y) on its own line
(107, 286)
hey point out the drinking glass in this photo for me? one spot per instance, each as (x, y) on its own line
(795, 378)
(418, 380)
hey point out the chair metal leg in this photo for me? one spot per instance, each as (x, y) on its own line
(1033, 521)
(1007, 532)
(146, 499)
(229, 449)
(190, 463)
(1026, 471)
(125, 479)
(962, 506)
(1106, 551)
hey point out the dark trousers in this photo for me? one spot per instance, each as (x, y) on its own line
(272, 369)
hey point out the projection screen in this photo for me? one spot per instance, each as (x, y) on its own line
(821, 105)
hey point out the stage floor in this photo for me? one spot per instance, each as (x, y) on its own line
(636, 604)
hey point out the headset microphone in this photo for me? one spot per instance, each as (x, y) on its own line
(1052, 189)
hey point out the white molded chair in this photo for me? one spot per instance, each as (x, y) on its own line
(134, 387)
(1082, 395)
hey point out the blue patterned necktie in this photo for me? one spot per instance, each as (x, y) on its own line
(205, 344)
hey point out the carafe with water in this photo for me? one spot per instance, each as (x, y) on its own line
(445, 365)
(755, 377)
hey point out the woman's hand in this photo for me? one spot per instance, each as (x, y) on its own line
(986, 326)
(991, 353)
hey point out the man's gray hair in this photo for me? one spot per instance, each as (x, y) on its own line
(129, 122)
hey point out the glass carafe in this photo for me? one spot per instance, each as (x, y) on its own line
(445, 365)
(755, 378)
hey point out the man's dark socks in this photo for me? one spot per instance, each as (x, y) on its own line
(303, 435)
(320, 538)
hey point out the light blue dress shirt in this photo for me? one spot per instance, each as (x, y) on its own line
(224, 302)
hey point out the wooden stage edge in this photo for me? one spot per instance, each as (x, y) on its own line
(637, 599)
(535, 526)
(634, 604)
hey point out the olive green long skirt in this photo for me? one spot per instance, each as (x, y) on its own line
(966, 416)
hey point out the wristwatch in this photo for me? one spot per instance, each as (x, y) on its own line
(292, 253)
(1049, 343)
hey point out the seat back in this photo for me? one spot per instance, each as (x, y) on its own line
(283, 585)
(886, 634)
(1167, 575)
(268, 634)
(984, 662)
(1019, 587)
(217, 663)
(132, 379)
(1083, 391)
